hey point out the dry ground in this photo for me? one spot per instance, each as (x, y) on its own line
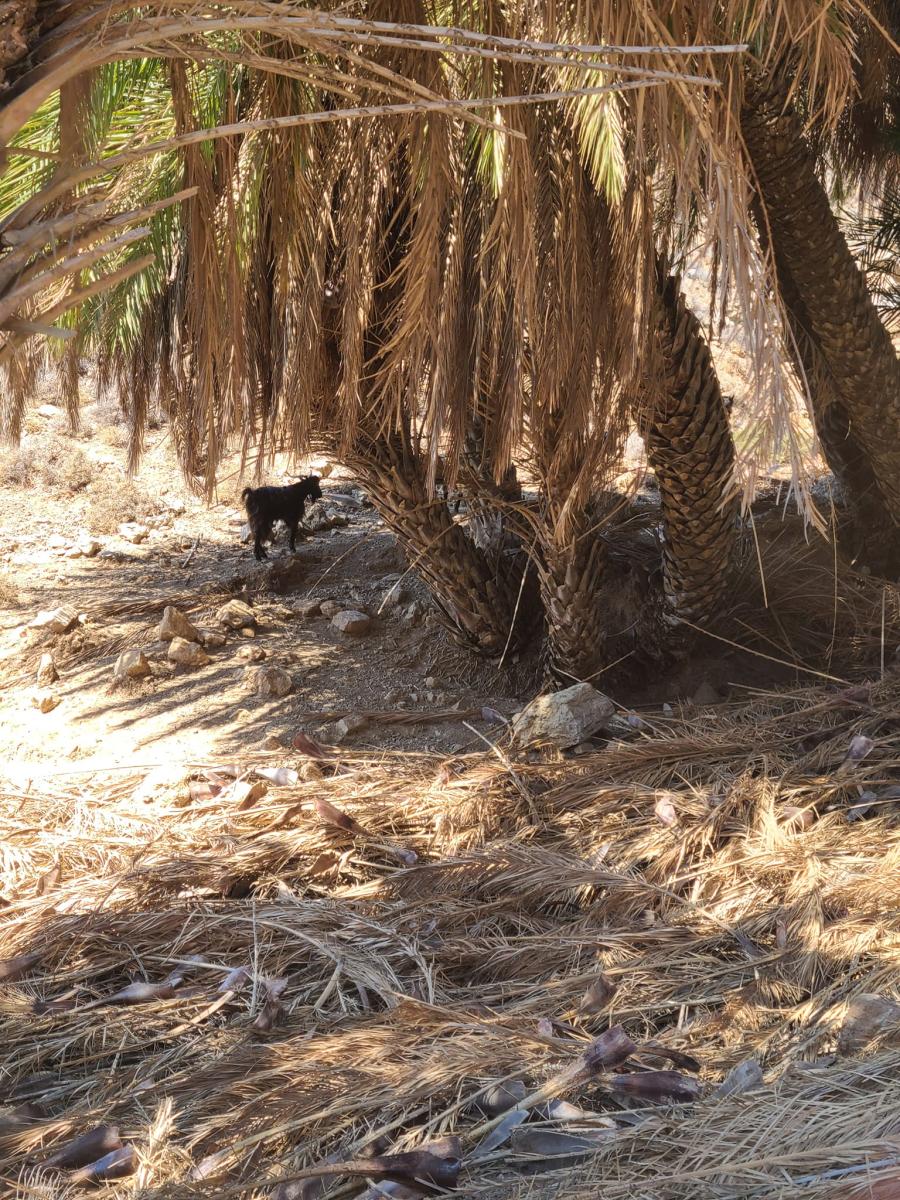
(335, 952)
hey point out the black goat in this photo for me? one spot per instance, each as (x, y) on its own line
(266, 505)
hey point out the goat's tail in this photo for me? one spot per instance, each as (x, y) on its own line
(245, 493)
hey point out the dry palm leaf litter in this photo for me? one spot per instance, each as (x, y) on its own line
(667, 969)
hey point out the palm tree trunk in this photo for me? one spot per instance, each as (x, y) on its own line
(842, 344)
(571, 580)
(475, 593)
(689, 446)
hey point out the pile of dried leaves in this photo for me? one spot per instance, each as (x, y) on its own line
(669, 969)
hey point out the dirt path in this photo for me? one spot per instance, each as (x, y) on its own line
(193, 558)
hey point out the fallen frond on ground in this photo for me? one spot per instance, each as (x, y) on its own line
(666, 969)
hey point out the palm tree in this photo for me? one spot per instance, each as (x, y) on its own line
(841, 342)
(396, 255)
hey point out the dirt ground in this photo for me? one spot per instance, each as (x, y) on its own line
(193, 558)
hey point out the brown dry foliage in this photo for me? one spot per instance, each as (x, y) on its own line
(736, 932)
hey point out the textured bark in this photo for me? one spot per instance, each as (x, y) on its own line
(17, 33)
(842, 344)
(689, 446)
(571, 581)
(475, 592)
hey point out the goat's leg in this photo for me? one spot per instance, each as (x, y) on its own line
(292, 525)
(262, 532)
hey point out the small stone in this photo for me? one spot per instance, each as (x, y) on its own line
(272, 742)
(309, 770)
(236, 615)
(88, 546)
(174, 505)
(868, 1018)
(56, 541)
(174, 624)
(187, 654)
(133, 531)
(563, 718)
(352, 622)
(47, 672)
(212, 639)
(347, 726)
(44, 700)
(414, 613)
(268, 681)
(329, 608)
(131, 664)
(251, 654)
(432, 682)
(49, 410)
(395, 596)
(248, 632)
(49, 622)
(668, 710)
(74, 552)
(705, 694)
(308, 609)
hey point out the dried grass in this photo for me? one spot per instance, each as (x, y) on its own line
(731, 934)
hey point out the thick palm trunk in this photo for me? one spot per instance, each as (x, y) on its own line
(689, 446)
(571, 578)
(842, 345)
(476, 593)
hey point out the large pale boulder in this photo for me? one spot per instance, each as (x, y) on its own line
(563, 718)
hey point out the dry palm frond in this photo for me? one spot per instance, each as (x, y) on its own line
(737, 931)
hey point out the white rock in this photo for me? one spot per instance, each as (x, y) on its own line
(212, 639)
(90, 547)
(56, 541)
(174, 504)
(564, 718)
(187, 654)
(268, 681)
(133, 531)
(174, 624)
(347, 726)
(352, 622)
(47, 672)
(131, 664)
(236, 615)
(51, 621)
(329, 608)
(49, 410)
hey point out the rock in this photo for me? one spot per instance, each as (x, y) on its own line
(174, 505)
(268, 681)
(53, 621)
(131, 664)
(187, 654)
(90, 547)
(73, 552)
(309, 769)
(251, 654)
(352, 622)
(432, 682)
(413, 613)
(174, 624)
(563, 718)
(396, 594)
(44, 700)
(133, 531)
(49, 410)
(308, 609)
(212, 639)
(236, 615)
(868, 1018)
(705, 694)
(248, 631)
(329, 608)
(56, 541)
(272, 742)
(47, 672)
(347, 726)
